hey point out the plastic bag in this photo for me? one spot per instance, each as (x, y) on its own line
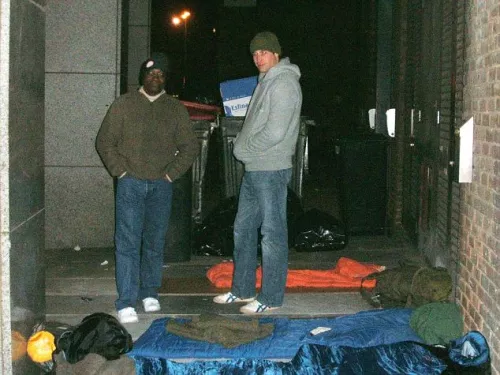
(215, 234)
(316, 230)
(98, 333)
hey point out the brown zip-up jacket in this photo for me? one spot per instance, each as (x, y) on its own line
(147, 140)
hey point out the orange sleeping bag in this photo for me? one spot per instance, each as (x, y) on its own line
(347, 273)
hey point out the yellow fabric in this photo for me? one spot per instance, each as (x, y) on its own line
(41, 345)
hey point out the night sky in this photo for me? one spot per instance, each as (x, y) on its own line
(327, 39)
(201, 43)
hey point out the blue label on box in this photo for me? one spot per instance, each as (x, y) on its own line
(238, 88)
(236, 95)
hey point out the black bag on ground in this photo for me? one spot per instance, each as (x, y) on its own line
(316, 230)
(99, 333)
(214, 236)
(407, 286)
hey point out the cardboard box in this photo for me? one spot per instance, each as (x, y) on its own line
(236, 95)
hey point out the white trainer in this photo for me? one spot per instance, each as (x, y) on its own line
(230, 298)
(255, 307)
(127, 315)
(151, 304)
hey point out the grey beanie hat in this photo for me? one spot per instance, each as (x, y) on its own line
(266, 41)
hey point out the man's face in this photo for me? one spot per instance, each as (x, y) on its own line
(154, 81)
(265, 60)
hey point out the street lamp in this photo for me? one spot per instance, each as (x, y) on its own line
(177, 20)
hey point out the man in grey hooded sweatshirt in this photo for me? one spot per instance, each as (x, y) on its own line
(265, 145)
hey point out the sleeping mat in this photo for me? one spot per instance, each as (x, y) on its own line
(369, 342)
(366, 328)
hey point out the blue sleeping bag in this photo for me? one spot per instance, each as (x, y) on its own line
(366, 328)
(406, 358)
(369, 342)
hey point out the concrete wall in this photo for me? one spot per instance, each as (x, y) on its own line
(479, 268)
(82, 66)
(22, 186)
(85, 45)
(139, 45)
(82, 78)
(5, 342)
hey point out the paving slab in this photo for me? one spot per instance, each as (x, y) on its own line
(80, 286)
(79, 283)
(72, 309)
(296, 304)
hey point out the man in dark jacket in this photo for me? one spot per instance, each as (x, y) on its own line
(265, 145)
(146, 141)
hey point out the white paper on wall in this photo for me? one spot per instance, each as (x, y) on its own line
(466, 151)
(371, 118)
(391, 122)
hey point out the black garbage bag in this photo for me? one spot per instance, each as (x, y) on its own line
(214, 236)
(316, 230)
(98, 333)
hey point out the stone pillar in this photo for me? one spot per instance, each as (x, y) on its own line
(82, 78)
(22, 203)
(93, 53)
(139, 45)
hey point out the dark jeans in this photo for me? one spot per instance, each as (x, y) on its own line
(262, 204)
(142, 213)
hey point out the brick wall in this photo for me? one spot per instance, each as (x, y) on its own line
(479, 264)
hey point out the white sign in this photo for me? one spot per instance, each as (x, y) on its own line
(391, 122)
(371, 118)
(237, 107)
(466, 151)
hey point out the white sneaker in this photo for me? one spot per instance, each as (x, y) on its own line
(127, 315)
(151, 304)
(255, 307)
(230, 298)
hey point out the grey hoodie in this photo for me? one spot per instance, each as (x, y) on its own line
(268, 138)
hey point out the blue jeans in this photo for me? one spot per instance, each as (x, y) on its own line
(262, 204)
(142, 213)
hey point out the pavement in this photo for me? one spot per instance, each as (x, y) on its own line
(79, 283)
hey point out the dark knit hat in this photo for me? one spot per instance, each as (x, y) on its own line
(266, 41)
(157, 60)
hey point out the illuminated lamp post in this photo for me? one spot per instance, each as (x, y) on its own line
(177, 20)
